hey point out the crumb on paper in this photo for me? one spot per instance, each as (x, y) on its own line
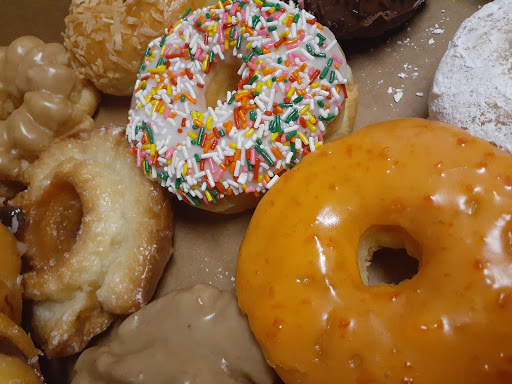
(398, 95)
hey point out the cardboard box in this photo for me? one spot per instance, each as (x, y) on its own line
(394, 77)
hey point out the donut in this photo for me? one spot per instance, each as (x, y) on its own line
(41, 99)
(194, 335)
(18, 355)
(98, 235)
(106, 38)
(357, 19)
(428, 187)
(10, 268)
(472, 84)
(234, 95)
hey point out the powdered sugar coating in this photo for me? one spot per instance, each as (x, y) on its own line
(473, 84)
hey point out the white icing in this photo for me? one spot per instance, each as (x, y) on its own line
(473, 84)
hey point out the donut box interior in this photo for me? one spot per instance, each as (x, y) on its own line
(394, 76)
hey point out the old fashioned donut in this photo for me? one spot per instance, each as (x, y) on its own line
(429, 187)
(98, 236)
(473, 83)
(106, 38)
(41, 99)
(234, 95)
(194, 335)
(19, 358)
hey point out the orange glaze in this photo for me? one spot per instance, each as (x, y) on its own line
(298, 278)
(10, 267)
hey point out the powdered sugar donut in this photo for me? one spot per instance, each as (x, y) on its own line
(234, 95)
(473, 84)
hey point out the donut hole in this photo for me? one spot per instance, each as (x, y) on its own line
(387, 255)
(54, 222)
(222, 80)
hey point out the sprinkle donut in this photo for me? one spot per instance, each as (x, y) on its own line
(234, 95)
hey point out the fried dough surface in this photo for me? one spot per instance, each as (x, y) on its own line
(98, 236)
(107, 39)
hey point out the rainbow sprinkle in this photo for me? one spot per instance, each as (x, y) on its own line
(292, 83)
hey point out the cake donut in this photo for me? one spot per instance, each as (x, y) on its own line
(106, 38)
(98, 236)
(234, 95)
(429, 187)
(41, 99)
(473, 84)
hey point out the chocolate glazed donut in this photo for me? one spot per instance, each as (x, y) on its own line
(352, 19)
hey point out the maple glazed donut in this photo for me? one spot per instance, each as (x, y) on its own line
(429, 187)
(234, 95)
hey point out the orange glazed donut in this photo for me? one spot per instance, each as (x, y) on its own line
(428, 187)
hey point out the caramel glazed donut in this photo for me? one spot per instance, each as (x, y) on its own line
(41, 99)
(208, 143)
(98, 236)
(428, 187)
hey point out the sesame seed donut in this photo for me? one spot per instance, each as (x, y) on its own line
(429, 187)
(41, 99)
(473, 84)
(234, 95)
(106, 38)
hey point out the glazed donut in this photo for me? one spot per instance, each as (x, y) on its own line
(98, 236)
(472, 86)
(106, 38)
(19, 359)
(356, 19)
(234, 95)
(194, 335)
(429, 187)
(18, 356)
(10, 268)
(41, 99)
